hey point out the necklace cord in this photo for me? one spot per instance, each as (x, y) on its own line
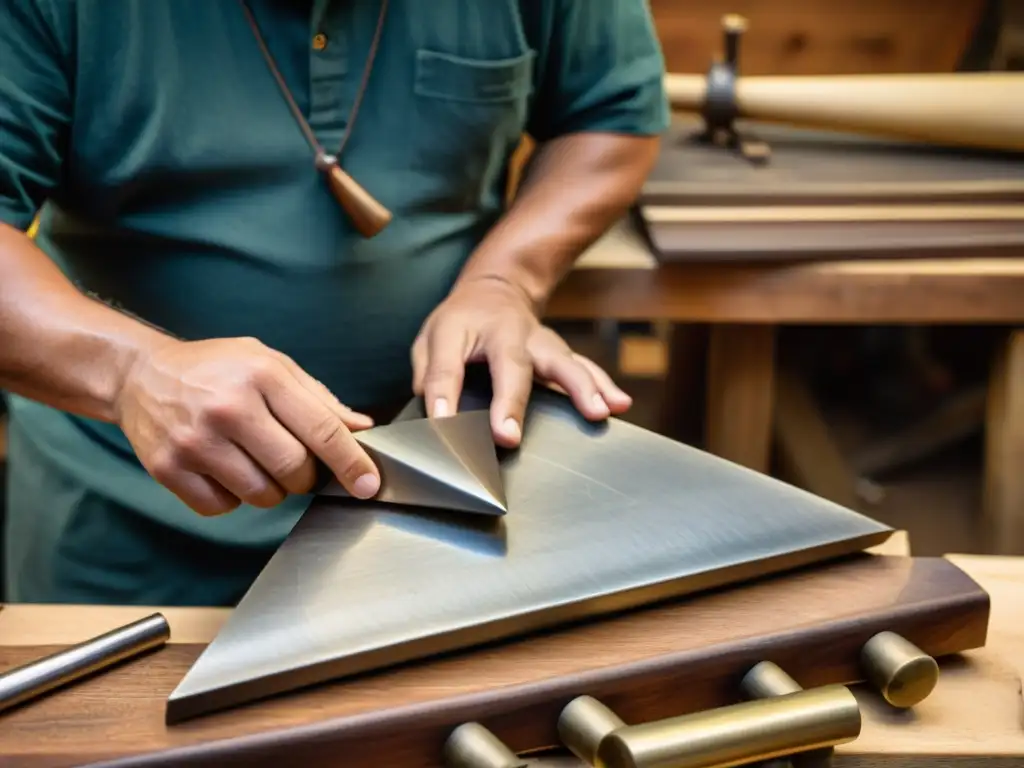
(286, 92)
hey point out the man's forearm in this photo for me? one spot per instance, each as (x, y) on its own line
(57, 345)
(576, 187)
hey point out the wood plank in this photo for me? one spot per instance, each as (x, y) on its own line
(820, 36)
(649, 664)
(1004, 450)
(1003, 579)
(741, 394)
(923, 291)
(27, 624)
(861, 214)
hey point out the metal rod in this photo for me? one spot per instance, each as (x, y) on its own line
(903, 673)
(64, 667)
(757, 730)
(583, 725)
(473, 746)
(769, 679)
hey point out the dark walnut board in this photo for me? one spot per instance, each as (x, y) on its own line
(703, 203)
(680, 657)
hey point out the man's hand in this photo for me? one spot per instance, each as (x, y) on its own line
(228, 421)
(490, 319)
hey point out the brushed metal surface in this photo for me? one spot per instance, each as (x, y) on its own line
(30, 681)
(601, 517)
(448, 463)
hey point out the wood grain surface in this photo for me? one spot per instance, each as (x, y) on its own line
(650, 664)
(622, 282)
(788, 37)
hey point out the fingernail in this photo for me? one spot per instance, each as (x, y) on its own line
(440, 408)
(511, 429)
(366, 486)
(600, 405)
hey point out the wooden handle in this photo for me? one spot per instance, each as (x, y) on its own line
(977, 109)
(368, 215)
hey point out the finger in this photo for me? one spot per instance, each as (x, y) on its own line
(511, 381)
(205, 495)
(201, 494)
(556, 363)
(618, 401)
(353, 419)
(275, 450)
(323, 432)
(446, 350)
(418, 356)
(235, 471)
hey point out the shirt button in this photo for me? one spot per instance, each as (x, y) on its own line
(319, 41)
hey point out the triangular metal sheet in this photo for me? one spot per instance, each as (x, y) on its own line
(601, 517)
(448, 463)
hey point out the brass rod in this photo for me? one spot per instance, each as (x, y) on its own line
(903, 673)
(473, 746)
(758, 730)
(583, 724)
(768, 679)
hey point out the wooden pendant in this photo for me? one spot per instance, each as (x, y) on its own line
(366, 212)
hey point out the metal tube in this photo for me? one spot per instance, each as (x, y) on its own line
(59, 669)
(757, 730)
(583, 724)
(769, 679)
(473, 746)
(902, 672)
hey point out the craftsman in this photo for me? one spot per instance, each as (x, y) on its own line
(198, 321)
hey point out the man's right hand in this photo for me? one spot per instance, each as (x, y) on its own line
(228, 421)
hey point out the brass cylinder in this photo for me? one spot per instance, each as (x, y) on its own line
(583, 724)
(768, 679)
(758, 730)
(473, 746)
(903, 673)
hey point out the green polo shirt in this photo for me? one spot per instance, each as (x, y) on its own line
(173, 181)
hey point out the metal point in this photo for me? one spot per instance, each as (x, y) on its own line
(449, 463)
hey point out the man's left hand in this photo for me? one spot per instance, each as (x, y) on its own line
(490, 319)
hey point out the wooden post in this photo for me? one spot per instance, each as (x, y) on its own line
(1004, 450)
(741, 393)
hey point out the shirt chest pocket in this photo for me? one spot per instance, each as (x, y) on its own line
(469, 116)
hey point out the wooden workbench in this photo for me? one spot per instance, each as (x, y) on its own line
(620, 279)
(971, 720)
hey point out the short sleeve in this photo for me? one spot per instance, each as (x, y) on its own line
(603, 70)
(35, 108)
